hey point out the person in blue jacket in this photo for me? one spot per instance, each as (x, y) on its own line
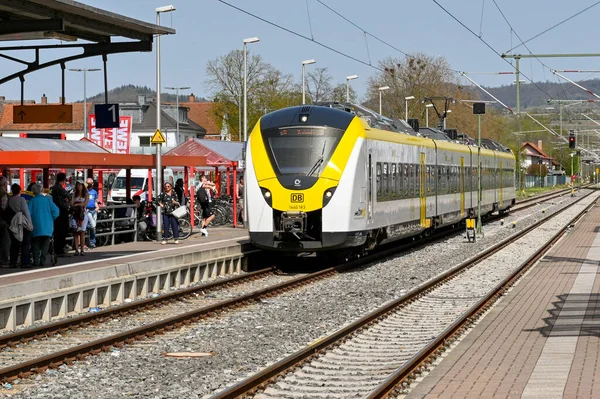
(43, 212)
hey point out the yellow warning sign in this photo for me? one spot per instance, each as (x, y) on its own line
(158, 138)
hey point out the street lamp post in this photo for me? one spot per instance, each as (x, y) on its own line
(246, 41)
(84, 70)
(348, 79)
(304, 63)
(177, 102)
(159, 10)
(381, 90)
(427, 114)
(406, 106)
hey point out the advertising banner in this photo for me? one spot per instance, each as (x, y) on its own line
(116, 140)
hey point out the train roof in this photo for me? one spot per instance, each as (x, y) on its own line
(373, 119)
(344, 112)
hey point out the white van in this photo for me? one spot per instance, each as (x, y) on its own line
(139, 184)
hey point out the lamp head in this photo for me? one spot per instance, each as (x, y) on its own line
(251, 40)
(307, 62)
(409, 98)
(351, 77)
(428, 105)
(168, 8)
(382, 88)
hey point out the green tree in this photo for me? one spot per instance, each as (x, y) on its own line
(318, 86)
(225, 79)
(338, 94)
(535, 168)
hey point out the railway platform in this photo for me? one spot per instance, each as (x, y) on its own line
(111, 275)
(542, 340)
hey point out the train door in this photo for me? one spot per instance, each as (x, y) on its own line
(370, 188)
(501, 182)
(422, 191)
(495, 178)
(461, 182)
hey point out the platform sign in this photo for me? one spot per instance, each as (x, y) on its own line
(158, 138)
(107, 116)
(53, 113)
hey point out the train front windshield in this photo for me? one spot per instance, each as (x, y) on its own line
(302, 151)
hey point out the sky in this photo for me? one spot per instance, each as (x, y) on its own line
(207, 29)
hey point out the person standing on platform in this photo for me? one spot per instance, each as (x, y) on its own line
(43, 214)
(180, 191)
(61, 223)
(4, 223)
(168, 201)
(80, 219)
(140, 210)
(20, 227)
(239, 191)
(92, 211)
(204, 195)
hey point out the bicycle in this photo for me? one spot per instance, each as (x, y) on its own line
(185, 228)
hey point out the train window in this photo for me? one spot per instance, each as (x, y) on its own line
(427, 180)
(417, 180)
(399, 182)
(411, 192)
(432, 179)
(456, 178)
(393, 180)
(385, 190)
(378, 179)
(439, 180)
(449, 179)
(405, 185)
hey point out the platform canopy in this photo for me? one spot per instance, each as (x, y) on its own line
(16, 153)
(217, 153)
(69, 21)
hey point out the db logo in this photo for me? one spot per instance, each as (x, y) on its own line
(296, 197)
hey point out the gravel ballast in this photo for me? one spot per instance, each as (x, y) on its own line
(248, 339)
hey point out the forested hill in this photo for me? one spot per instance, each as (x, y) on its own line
(532, 96)
(130, 93)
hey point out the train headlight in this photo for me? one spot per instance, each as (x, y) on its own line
(267, 196)
(328, 194)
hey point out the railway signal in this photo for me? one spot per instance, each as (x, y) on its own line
(572, 143)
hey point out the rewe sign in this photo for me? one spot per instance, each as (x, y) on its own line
(105, 137)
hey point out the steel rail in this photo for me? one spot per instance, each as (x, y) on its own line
(428, 354)
(269, 374)
(69, 355)
(23, 370)
(533, 201)
(60, 326)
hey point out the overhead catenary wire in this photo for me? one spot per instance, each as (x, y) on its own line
(323, 44)
(312, 36)
(512, 29)
(361, 29)
(554, 26)
(301, 36)
(488, 45)
(481, 19)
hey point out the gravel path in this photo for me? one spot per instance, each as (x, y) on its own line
(248, 339)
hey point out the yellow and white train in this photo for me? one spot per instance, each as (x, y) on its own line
(322, 179)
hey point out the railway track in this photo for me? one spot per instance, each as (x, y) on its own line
(380, 354)
(533, 201)
(80, 336)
